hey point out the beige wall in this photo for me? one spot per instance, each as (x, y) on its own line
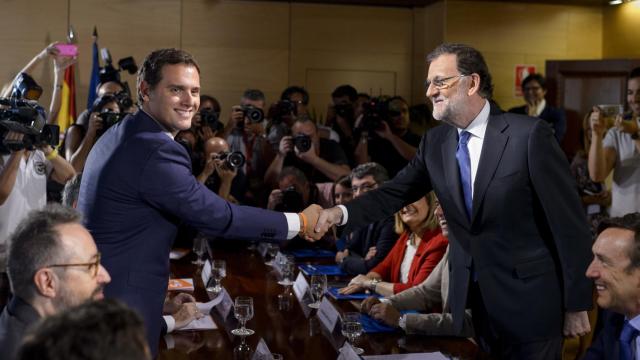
(621, 36)
(269, 45)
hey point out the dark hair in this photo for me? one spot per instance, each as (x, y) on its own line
(36, 244)
(376, 170)
(394, 98)
(151, 69)
(95, 330)
(345, 90)
(364, 95)
(253, 95)
(628, 222)
(286, 94)
(344, 181)
(469, 61)
(634, 73)
(71, 191)
(216, 104)
(100, 102)
(537, 78)
(295, 172)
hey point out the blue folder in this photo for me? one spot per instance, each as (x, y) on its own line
(372, 326)
(329, 270)
(313, 253)
(333, 292)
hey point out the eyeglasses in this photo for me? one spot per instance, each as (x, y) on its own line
(440, 84)
(91, 266)
(363, 188)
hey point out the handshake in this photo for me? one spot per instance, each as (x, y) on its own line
(315, 221)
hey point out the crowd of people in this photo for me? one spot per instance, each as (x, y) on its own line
(469, 223)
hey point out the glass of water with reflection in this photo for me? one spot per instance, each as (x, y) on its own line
(218, 272)
(352, 329)
(243, 311)
(317, 287)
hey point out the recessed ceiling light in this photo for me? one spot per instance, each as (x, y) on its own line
(615, 2)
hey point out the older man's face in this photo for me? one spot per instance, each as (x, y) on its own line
(447, 90)
(79, 283)
(617, 283)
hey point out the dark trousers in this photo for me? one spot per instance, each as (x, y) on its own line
(491, 342)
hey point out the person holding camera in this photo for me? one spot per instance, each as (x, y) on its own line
(341, 117)
(619, 151)
(206, 122)
(220, 172)
(389, 143)
(103, 114)
(322, 160)
(299, 96)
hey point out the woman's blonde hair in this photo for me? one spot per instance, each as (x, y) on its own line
(429, 223)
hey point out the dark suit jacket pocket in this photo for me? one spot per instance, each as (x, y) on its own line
(506, 175)
(534, 268)
(149, 282)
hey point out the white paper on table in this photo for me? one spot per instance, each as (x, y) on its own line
(328, 314)
(347, 352)
(177, 254)
(205, 323)
(262, 351)
(414, 356)
(205, 308)
(263, 248)
(300, 287)
(225, 303)
(280, 258)
(206, 273)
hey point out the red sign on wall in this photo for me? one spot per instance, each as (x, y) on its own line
(522, 71)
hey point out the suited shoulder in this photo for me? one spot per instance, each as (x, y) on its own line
(518, 110)
(516, 124)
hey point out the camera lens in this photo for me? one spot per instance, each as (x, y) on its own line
(234, 160)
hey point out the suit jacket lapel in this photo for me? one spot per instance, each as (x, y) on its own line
(452, 172)
(492, 149)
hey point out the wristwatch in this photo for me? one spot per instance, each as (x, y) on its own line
(373, 283)
(402, 322)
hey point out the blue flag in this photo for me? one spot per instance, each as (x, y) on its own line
(95, 75)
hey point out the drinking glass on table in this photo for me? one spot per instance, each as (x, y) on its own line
(243, 311)
(286, 266)
(272, 251)
(199, 248)
(218, 272)
(317, 287)
(352, 329)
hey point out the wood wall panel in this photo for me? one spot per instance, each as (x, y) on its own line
(621, 35)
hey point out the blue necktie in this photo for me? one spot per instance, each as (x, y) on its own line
(464, 163)
(626, 337)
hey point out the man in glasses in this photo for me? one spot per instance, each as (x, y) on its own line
(53, 264)
(519, 240)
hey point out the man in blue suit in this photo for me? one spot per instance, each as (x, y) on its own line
(615, 269)
(138, 186)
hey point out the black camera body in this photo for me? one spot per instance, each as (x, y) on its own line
(109, 118)
(375, 112)
(292, 201)
(210, 118)
(28, 118)
(344, 110)
(281, 109)
(232, 160)
(254, 114)
(123, 98)
(302, 142)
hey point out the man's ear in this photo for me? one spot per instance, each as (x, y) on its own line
(144, 90)
(474, 84)
(46, 282)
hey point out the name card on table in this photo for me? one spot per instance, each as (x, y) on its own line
(263, 248)
(300, 287)
(180, 285)
(262, 351)
(225, 304)
(280, 258)
(328, 314)
(206, 273)
(347, 352)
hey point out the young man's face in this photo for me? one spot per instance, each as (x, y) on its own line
(175, 99)
(633, 95)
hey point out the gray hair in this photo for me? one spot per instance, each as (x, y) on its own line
(377, 171)
(36, 244)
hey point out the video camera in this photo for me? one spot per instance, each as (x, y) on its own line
(26, 88)
(28, 118)
(232, 160)
(375, 111)
(109, 73)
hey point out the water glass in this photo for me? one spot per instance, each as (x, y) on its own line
(218, 272)
(199, 248)
(272, 251)
(317, 287)
(286, 266)
(243, 311)
(352, 329)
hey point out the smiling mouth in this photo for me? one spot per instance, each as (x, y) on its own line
(185, 113)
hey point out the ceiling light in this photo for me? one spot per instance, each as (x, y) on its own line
(615, 2)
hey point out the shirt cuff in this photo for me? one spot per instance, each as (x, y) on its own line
(402, 323)
(171, 323)
(385, 301)
(170, 341)
(293, 222)
(345, 214)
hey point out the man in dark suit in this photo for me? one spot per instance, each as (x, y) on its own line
(519, 242)
(534, 89)
(138, 186)
(615, 269)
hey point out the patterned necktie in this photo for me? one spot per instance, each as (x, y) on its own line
(626, 338)
(464, 164)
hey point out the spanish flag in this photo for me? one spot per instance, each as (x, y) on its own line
(67, 115)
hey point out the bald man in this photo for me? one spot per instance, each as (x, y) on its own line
(218, 177)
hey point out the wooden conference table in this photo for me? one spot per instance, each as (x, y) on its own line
(288, 327)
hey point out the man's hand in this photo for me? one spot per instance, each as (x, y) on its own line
(312, 212)
(226, 174)
(95, 123)
(308, 156)
(598, 127)
(386, 313)
(172, 305)
(13, 137)
(275, 198)
(384, 131)
(236, 116)
(576, 324)
(186, 314)
(340, 255)
(328, 218)
(285, 146)
(368, 303)
(209, 168)
(371, 253)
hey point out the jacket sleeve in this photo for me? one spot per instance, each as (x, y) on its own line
(386, 238)
(438, 324)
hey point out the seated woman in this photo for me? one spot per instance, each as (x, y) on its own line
(418, 250)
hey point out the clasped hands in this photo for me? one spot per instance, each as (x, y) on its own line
(319, 221)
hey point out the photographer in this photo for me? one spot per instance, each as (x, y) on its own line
(341, 117)
(206, 122)
(322, 160)
(220, 175)
(389, 142)
(300, 97)
(104, 113)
